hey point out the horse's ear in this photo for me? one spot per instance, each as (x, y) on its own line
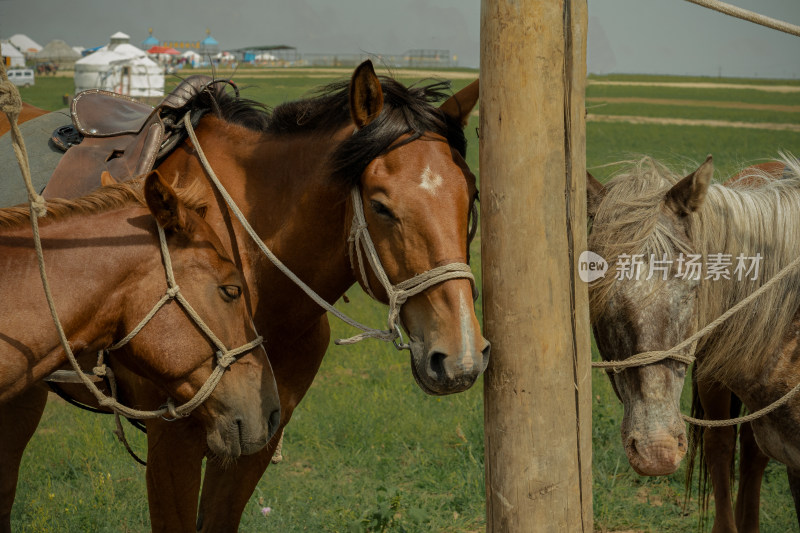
(164, 203)
(459, 106)
(595, 192)
(688, 195)
(366, 95)
(107, 179)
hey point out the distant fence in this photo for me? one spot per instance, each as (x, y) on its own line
(410, 58)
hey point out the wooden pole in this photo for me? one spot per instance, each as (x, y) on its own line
(533, 225)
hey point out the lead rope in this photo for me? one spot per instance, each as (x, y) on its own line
(11, 105)
(646, 358)
(397, 294)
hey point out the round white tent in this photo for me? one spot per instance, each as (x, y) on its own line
(58, 52)
(122, 68)
(192, 57)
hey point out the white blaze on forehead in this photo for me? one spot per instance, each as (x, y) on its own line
(430, 181)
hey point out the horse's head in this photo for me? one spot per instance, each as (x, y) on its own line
(417, 195)
(642, 226)
(243, 411)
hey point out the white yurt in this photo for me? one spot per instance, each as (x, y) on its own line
(15, 57)
(192, 57)
(25, 44)
(122, 68)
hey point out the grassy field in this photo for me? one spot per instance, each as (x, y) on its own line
(367, 450)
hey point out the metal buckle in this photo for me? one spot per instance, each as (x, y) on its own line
(402, 345)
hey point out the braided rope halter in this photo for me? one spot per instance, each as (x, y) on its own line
(359, 236)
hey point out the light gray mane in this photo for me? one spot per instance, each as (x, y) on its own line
(757, 216)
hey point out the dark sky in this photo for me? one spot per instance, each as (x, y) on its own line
(638, 36)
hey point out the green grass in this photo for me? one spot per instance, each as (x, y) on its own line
(366, 445)
(752, 96)
(692, 112)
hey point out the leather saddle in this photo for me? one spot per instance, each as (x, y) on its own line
(122, 136)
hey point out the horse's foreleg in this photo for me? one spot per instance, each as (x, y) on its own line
(19, 418)
(719, 446)
(175, 453)
(794, 486)
(752, 463)
(226, 489)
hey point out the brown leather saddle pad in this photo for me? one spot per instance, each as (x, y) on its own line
(120, 135)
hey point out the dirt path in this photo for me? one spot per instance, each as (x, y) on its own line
(702, 85)
(694, 103)
(692, 122)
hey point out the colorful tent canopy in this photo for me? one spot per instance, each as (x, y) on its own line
(163, 50)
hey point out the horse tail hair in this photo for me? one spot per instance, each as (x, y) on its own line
(737, 408)
(695, 458)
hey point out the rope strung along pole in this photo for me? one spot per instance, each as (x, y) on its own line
(750, 16)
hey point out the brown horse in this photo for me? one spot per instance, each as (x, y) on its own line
(717, 445)
(651, 214)
(291, 173)
(104, 267)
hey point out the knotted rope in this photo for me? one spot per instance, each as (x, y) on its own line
(676, 353)
(397, 294)
(11, 104)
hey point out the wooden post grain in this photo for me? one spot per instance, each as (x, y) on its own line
(533, 226)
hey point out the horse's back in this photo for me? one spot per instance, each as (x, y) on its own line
(43, 156)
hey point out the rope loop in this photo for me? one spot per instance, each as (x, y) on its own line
(225, 359)
(10, 100)
(647, 358)
(357, 238)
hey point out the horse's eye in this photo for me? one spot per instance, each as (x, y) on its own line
(381, 209)
(230, 292)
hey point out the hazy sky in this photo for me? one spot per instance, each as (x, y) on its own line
(640, 36)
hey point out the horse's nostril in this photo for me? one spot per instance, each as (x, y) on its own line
(437, 364)
(486, 351)
(273, 422)
(631, 445)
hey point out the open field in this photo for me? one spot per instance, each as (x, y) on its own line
(366, 444)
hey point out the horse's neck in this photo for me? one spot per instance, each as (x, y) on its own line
(88, 282)
(284, 189)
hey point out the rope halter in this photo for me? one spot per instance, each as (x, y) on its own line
(224, 356)
(398, 294)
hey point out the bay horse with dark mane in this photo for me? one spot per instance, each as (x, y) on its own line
(292, 173)
(651, 213)
(103, 257)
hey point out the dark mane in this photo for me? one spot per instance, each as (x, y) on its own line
(407, 110)
(230, 107)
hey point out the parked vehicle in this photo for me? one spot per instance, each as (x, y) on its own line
(21, 76)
